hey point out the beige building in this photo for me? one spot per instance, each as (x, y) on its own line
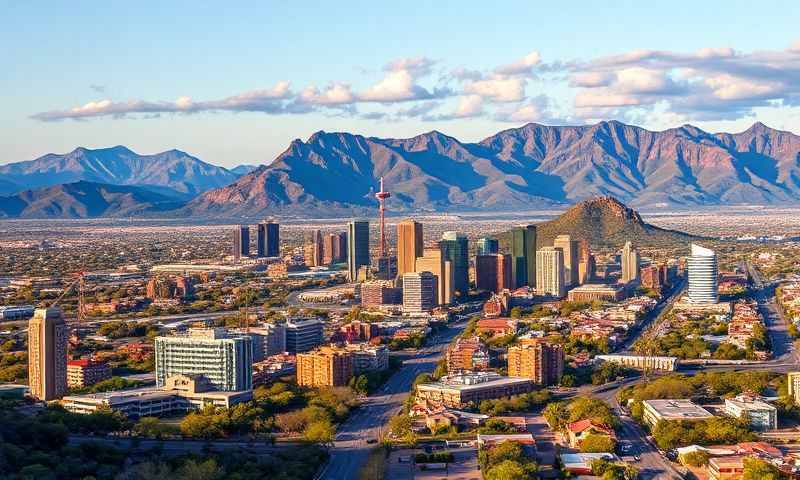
(794, 386)
(409, 245)
(550, 272)
(433, 260)
(673, 409)
(324, 367)
(642, 362)
(569, 249)
(457, 391)
(542, 362)
(630, 263)
(84, 372)
(47, 354)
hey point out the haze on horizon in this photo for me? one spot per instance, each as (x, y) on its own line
(236, 84)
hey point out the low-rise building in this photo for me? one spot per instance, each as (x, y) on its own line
(590, 292)
(16, 312)
(673, 409)
(497, 326)
(726, 468)
(458, 391)
(368, 358)
(180, 393)
(762, 415)
(643, 362)
(84, 372)
(578, 431)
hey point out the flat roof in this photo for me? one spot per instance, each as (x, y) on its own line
(750, 404)
(501, 381)
(678, 409)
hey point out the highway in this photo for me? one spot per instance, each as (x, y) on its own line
(363, 429)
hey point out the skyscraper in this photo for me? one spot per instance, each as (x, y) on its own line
(329, 242)
(47, 354)
(493, 272)
(226, 361)
(702, 274)
(268, 239)
(357, 247)
(570, 249)
(419, 292)
(586, 266)
(409, 245)
(522, 245)
(486, 246)
(313, 251)
(434, 260)
(458, 253)
(793, 385)
(550, 271)
(241, 242)
(630, 263)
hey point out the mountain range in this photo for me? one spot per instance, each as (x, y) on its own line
(523, 168)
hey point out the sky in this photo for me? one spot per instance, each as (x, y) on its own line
(234, 83)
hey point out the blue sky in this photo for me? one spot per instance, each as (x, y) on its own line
(236, 83)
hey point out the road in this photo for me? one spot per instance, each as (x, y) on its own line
(653, 317)
(351, 448)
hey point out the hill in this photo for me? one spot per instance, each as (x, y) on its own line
(172, 172)
(606, 222)
(529, 167)
(85, 200)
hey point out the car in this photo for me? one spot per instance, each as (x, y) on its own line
(371, 440)
(637, 458)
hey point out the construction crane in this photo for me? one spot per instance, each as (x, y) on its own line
(79, 281)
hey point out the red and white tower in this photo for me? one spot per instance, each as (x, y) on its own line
(382, 196)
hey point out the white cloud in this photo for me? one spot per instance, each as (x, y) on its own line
(522, 66)
(498, 88)
(334, 94)
(729, 87)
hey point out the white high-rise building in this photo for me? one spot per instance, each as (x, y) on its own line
(703, 279)
(419, 292)
(630, 263)
(550, 271)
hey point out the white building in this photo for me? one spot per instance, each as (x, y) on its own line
(673, 409)
(420, 291)
(762, 415)
(368, 358)
(550, 272)
(703, 276)
(630, 263)
(226, 361)
(268, 339)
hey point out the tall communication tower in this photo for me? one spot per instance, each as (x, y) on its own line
(382, 196)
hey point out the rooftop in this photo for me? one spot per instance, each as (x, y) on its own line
(474, 381)
(678, 409)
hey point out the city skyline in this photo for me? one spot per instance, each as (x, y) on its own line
(438, 79)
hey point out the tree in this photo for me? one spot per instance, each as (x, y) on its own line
(320, 431)
(757, 469)
(507, 470)
(695, 459)
(400, 425)
(291, 422)
(194, 470)
(597, 443)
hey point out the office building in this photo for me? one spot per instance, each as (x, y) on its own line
(324, 367)
(47, 354)
(180, 394)
(487, 246)
(409, 245)
(760, 414)
(16, 312)
(458, 391)
(641, 362)
(550, 272)
(629, 261)
(542, 362)
(590, 292)
(493, 272)
(385, 267)
(303, 334)
(703, 276)
(241, 242)
(368, 358)
(467, 354)
(268, 339)
(380, 292)
(313, 249)
(340, 250)
(268, 240)
(569, 247)
(435, 261)
(357, 247)
(586, 265)
(793, 385)
(419, 292)
(653, 276)
(522, 247)
(225, 360)
(457, 251)
(84, 372)
(673, 409)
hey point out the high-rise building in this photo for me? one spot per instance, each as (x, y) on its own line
(340, 251)
(434, 260)
(486, 246)
(541, 362)
(570, 249)
(409, 245)
(550, 271)
(225, 360)
(793, 384)
(47, 354)
(586, 266)
(380, 292)
(241, 242)
(702, 275)
(493, 272)
(303, 334)
(313, 251)
(630, 263)
(268, 339)
(385, 267)
(651, 276)
(324, 367)
(467, 354)
(419, 292)
(522, 246)
(458, 254)
(268, 239)
(357, 247)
